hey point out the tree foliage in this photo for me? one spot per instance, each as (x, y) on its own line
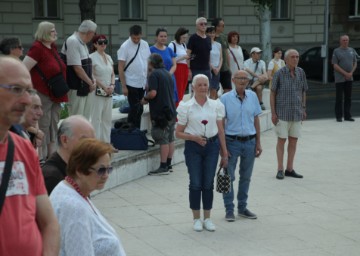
(87, 9)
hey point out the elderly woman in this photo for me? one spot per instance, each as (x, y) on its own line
(43, 62)
(12, 47)
(84, 231)
(200, 124)
(103, 71)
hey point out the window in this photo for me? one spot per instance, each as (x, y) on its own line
(354, 8)
(208, 9)
(131, 9)
(46, 8)
(280, 10)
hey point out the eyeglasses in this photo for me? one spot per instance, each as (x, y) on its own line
(102, 170)
(19, 47)
(18, 90)
(203, 24)
(241, 78)
(101, 42)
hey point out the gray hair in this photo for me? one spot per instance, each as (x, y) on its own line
(66, 127)
(289, 51)
(87, 26)
(197, 77)
(200, 19)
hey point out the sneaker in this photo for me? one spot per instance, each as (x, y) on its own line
(159, 171)
(280, 175)
(170, 168)
(293, 174)
(262, 106)
(247, 214)
(209, 225)
(229, 216)
(198, 226)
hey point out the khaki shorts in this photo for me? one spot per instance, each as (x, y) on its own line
(285, 129)
(164, 136)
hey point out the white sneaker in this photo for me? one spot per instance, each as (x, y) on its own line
(209, 225)
(198, 226)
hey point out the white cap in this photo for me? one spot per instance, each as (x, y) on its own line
(255, 49)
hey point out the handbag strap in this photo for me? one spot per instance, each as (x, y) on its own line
(42, 75)
(127, 65)
(234, 58)
(7, 171)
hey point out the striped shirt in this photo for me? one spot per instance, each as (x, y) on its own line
(289, 93)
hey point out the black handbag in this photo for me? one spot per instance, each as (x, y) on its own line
(223, 181)
(7, 171)
(130, 139)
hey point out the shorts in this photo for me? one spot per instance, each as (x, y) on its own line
(163, 136)
(225, 80)
(214, 82)
(285, 129)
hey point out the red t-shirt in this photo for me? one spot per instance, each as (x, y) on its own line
(48, 65)
(19, 233)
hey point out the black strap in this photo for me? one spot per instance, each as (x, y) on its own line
(234, 58)
(127, 65)
(7, 171)
(174, 47)
(256, 66)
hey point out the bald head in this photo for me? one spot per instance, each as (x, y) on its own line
(13, 71)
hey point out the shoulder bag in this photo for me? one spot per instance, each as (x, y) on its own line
(127, 65)
(57, 84)
(233, 55)
(7, 171)
(223, 181)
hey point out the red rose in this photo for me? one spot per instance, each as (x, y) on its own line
(204, 122)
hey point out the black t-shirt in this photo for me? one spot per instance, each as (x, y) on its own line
(161, 81)
(200, 50)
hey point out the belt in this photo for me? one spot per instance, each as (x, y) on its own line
(212, 139)
(239, 138)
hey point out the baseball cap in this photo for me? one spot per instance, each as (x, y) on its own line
(255, 49)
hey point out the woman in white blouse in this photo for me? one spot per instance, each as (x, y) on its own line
(200, 124)
(236, 56)
(84, 231)
(103, 71)
(275, 64)
(182, 70)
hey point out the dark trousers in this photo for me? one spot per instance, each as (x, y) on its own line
(343, 90)
(136, 109)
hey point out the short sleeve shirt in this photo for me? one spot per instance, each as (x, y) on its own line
(345, 58)
(251, 65)
(200, 50)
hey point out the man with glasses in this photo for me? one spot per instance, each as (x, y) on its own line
(242, 134)
(198, 48)
(27, 220)
(70, 132)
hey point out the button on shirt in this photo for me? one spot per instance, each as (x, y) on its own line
(289, 93)
(240, 115)
(191, 115)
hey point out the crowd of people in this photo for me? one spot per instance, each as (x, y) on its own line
(40, 208)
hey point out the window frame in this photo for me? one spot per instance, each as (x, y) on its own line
(356, 13)
(206, 4)
(46, 9)
(278, 13)
(130, 11)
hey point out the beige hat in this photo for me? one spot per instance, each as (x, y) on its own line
(255, 49)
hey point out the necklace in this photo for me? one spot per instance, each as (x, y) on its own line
(73, 183)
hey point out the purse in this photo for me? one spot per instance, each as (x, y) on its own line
(100, 92)
(223, 181)
(130, 139)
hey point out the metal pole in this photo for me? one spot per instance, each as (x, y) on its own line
(326, 42)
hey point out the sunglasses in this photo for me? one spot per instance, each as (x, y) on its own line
(20, 47)
(18, 90)
(101, 42)
(102, 170)
(203, 24)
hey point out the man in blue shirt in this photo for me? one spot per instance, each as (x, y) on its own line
(242, 133)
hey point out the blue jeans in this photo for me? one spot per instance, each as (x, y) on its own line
(201, 163)
(246, 152)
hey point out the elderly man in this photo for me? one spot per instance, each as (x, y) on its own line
(345, 63)
(257, 70)
(28, 223)
(79, 75)
(242, 133)
(198, 48)
(288, 110)
(133, 57)
(71, 130)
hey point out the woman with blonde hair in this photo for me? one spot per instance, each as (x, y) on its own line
(44, 62)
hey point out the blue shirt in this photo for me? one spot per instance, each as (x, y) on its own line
(240, 115)
(167, 56)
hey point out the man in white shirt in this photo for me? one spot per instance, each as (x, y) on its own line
(132, 65)
(257, 70)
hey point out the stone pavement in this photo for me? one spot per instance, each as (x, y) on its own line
(318, 215)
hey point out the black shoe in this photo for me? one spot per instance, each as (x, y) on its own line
(230, 217)
(170, 168)
(280, 175)
(159, 171)
(338, 119)
(349, 119)
(293, 174)
(247, 214)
